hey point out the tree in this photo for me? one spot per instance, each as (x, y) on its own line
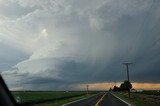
(122, 87)
(126, 86)
(110, 89)
(115, 88)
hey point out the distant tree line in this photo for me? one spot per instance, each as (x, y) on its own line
(125, 86)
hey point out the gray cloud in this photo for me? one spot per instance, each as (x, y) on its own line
(74, 42)
(13, 10)
(10, 56)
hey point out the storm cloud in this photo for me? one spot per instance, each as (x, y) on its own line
(56, 44)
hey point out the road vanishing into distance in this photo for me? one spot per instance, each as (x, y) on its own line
(101, 99)
(110, 100)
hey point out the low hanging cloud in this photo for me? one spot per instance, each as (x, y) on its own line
(66, 42)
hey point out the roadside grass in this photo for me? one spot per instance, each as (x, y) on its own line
(133, 100)
(34, 97)
(139, 99)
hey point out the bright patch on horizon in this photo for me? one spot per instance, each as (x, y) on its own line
(108, 85)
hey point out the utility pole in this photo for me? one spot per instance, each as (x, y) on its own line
(127, 66)
(87, 88)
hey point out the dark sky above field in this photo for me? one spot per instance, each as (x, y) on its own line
(54, 44)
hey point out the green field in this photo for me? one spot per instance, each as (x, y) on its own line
(37, 97)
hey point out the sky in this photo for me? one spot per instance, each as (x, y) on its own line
(65, 44)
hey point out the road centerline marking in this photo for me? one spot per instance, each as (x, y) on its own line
(97, 104)
(79, 99)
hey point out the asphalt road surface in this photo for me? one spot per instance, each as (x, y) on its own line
(105, 100)
(110, 100)
(87, 102)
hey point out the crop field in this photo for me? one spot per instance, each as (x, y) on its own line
(34, 97)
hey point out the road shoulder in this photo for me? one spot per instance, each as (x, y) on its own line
(121, 99)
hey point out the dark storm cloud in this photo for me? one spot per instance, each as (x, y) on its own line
(137, 35)
(10, 57)
(81, 42)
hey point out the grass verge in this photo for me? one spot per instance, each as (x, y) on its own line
(139, 99)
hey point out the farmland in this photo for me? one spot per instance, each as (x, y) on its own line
(37, 97)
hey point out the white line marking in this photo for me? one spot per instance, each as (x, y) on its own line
(122, 100)
(80, 99)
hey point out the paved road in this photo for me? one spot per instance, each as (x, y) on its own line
(87, 102)
(110, 100)
(107, 100)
